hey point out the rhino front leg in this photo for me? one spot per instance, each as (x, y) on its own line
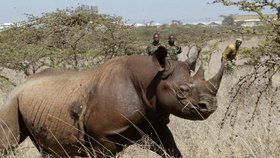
(9, 125)
(165, 138)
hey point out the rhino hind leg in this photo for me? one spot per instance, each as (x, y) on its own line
(9, 126)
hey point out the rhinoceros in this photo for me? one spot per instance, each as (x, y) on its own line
(98, 112)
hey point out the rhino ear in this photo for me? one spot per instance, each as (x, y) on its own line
(159, 57)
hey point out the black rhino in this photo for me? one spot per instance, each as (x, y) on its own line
(100, 111)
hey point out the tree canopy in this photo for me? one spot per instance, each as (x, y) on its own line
(64, 38)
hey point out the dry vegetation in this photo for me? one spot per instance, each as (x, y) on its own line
(246, 123)
(238, 128)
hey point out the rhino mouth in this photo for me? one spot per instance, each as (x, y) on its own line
(201, 107)
(186, 105)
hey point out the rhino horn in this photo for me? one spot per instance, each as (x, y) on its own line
(214, 82)
(200, 72)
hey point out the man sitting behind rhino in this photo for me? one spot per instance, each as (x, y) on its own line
(173, 49)
(229, 54)
(152, 47)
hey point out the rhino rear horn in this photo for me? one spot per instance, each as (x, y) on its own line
(191, 61)
(215, 81)
(200, 72)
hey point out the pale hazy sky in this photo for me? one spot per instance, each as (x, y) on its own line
(162, 11)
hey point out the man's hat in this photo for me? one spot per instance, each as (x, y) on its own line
(239, 39)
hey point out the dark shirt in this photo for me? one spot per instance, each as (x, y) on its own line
(173, 51)
(152, 47)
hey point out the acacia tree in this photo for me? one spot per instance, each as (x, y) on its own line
(64, 38)
(228, 20)
(49, 40)
(70, 34)
(115, 38)
(20, 50)
(258, 7)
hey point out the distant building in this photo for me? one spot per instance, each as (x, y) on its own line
(5, 25)
(155, 24)
(144, 24)
(213, 24)
(210, 23)
(251, 20)
(201, 24)
(138, 24)
(90, 8)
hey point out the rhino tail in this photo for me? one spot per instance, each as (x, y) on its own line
(9, 125)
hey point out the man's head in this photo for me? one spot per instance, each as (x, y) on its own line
(238, 42)
(156, 37)
(171, 39)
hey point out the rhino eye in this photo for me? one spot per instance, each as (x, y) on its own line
(191, 85)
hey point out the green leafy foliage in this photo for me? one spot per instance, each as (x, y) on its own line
(79, 38)
(228, 20)
(258, 7)
(64, 38)
(269, 50)
(82, 38)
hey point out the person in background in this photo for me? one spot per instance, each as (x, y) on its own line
(229, 54)
(152, 47)
(172, 49)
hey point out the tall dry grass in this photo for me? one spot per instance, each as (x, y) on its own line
(240, 130)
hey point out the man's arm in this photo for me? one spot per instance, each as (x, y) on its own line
(179, 49)
(148, 50)
(226, 53)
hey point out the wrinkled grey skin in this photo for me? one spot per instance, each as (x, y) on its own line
(101, 111)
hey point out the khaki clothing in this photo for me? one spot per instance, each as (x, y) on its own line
(152, 47)
(230, 52)
(173, 51)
